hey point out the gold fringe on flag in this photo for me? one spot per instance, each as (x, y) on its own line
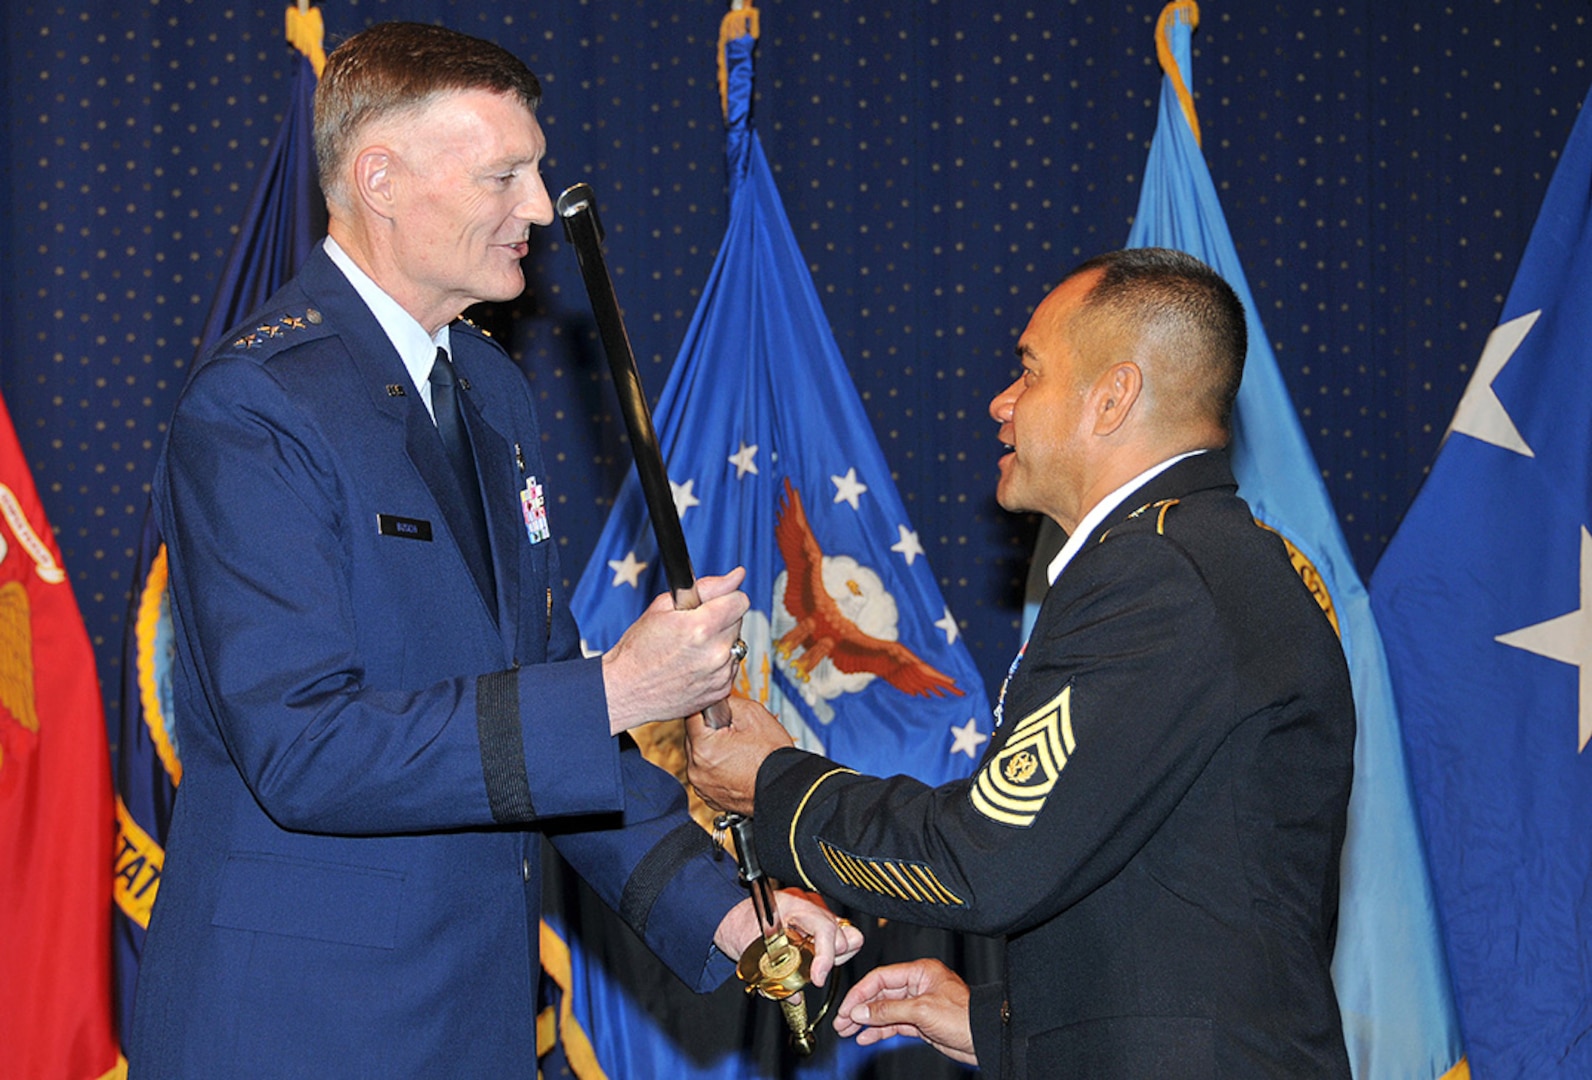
(578, 1051)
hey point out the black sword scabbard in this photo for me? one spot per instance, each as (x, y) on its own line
(778, 968)
(577, 207)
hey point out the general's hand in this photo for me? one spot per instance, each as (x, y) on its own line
(672, 663)
(722, 764)
(834, 941)
(923, 999)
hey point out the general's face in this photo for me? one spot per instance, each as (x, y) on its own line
(467, 170)
(1043, 416)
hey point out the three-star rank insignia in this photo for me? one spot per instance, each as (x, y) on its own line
(1012, 786)
(267, 331)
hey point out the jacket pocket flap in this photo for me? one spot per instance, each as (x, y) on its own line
(274, 894)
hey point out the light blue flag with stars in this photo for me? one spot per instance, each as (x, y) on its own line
(775, 466)
(1398, 1013)
(1485, 600)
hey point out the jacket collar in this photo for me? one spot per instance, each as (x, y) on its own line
(1209, 471)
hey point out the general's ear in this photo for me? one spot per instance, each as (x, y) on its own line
(373, 180)
(1116, 393)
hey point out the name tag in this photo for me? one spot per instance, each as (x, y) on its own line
(403, 528)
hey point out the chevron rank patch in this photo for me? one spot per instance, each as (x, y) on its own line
(1012, 787)
(910, 881)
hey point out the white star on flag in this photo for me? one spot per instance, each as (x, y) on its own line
(743, 461)
(947, 622)
(627, 571)
(1480, 414)
(848, 487)
(908, 545)
(683, 498)
(1567, 639)
(968, 738)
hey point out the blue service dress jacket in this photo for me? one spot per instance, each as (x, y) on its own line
(371, 747)
(1155, 826)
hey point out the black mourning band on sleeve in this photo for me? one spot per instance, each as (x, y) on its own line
(657, 867)
(497, 723)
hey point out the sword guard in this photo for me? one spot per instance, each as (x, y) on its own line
(777, 969)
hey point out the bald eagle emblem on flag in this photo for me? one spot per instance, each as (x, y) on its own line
(1012, 786)
(838, 625)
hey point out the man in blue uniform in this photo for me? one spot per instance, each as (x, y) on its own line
(383, 695)
(1156, 824)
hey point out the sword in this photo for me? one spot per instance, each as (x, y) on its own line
(778, 967)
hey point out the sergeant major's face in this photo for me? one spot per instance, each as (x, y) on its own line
(1043, 417)
(467, 186)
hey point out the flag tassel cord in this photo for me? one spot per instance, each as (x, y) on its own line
(1189, 12)
(741, 21)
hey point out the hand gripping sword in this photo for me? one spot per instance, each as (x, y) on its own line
(778, 967)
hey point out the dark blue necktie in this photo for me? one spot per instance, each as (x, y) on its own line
(456, 443)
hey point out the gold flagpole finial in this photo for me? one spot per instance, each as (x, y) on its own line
(741, 20)
(306, 33)
(1190, 12)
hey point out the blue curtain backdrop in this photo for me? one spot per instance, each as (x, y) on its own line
(942, 164)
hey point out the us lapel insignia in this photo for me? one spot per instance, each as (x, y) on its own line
(1012, 786)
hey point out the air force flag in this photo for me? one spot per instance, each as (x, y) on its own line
(774, 465)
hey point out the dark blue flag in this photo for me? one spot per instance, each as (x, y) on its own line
(274, 238)
(775, 467)
(1485, 601)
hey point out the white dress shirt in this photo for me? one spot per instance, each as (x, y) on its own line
(417, 348)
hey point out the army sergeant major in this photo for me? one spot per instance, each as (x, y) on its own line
(1156, 824)
(381, 689)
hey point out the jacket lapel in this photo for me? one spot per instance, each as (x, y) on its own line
(499, 477)
(392, 393)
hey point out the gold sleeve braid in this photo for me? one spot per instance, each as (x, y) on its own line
(795, 819)
(909, 881)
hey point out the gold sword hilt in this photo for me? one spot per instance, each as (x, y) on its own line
(779, 966)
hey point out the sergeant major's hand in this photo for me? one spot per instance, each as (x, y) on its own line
(923, 999)
(722, 764)
(672, 663)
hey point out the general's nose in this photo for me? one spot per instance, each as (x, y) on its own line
(537, 206)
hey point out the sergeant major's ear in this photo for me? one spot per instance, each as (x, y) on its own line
(1117, 391)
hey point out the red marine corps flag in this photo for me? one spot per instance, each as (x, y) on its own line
(55, 805)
